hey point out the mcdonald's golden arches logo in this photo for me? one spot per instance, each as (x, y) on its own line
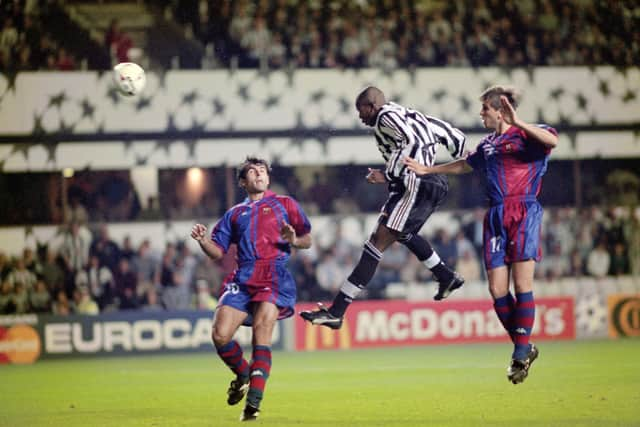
(322, 338)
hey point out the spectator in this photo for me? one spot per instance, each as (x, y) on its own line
(98, 278)
(74, 252)
(8, 39)
(112, 34)
(7, 305)
(76, 211)
(105, 249)
(5, 268)
(632, 235)
(468, 265)
(208, 271)
(179, 296)
(576, 263)
(117, 42)
(445, 246)
(167, 269)
(21, 275)
(203, 299)
(304, 274)
(83, 302)
(277, 53)
(127, 249)
(126, 286)
(61, 306)
(65, 60)
(599, 260)
(21, 298)
(146, 265)
(31, 262)
(151, 304)
(619, 260)
(186, 265)
(40, 299)
(329, 273)
(255, 41)
(52, 273)
(389, 269)
(555, 265)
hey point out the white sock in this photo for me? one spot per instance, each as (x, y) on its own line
(432, 261)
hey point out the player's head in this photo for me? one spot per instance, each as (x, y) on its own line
(491, 106)
(368, 103)
(253, 175)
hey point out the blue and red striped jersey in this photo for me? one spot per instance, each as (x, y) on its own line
(254, 226)
(511, 164)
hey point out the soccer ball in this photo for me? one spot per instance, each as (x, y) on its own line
(129, 78)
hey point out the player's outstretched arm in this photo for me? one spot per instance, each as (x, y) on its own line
(456, 167)
(289, 234)
(534, 132)
(199, 233)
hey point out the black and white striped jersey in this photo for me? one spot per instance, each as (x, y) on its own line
(402, 132)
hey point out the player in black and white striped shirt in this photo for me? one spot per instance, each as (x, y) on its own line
(400, 132)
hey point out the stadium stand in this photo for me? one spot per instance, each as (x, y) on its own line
(81, 269)
(606, 244)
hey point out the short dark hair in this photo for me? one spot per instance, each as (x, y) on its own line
(494, 93)
(371, 95)
(241, 171)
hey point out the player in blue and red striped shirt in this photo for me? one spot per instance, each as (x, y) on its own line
(511, 161)
(261, 290)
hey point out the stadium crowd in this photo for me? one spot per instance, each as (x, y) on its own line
(391, 34)
(339, 33)
(88, 272)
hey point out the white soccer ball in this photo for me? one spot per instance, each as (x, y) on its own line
(129, 78)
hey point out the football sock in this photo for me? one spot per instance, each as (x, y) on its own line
(425, 253)
(505, 308)
(523, 319)
(358, 280)
(231, 354)
(260, 369)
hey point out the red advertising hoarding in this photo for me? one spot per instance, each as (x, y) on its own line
(403, 323)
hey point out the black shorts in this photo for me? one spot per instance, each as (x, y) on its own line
(412, 202)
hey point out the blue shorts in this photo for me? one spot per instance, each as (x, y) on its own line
(512, 232)
(260, 281)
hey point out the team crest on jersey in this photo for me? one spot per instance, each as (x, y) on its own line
(266, 210)
(489, 150)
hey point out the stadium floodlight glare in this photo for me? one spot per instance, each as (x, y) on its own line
(195, 175)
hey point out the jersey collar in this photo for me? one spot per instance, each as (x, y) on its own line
(267, 193)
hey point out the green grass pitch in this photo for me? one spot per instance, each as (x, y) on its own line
(588, 383)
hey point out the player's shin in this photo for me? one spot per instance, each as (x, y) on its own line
(524, 317)
(260, 370)
(505, 309)
(231, 354)
(358, 280)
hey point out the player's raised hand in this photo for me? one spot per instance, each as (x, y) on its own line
(199, 232)
(414, 166)
(508, 112)
(375, 176)
(288, 233)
